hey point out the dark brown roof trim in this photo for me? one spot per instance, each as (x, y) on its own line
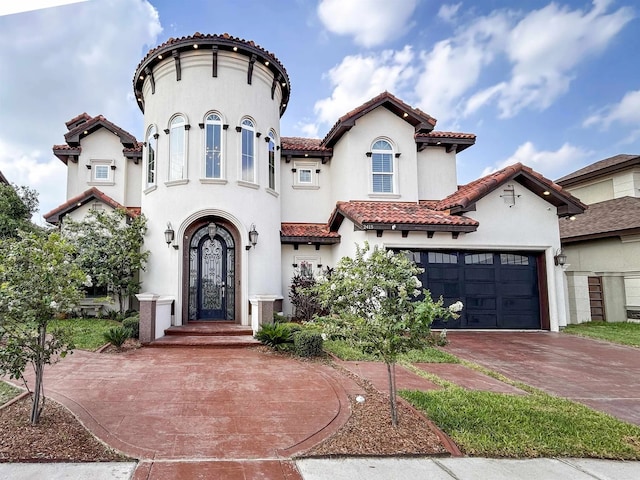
(216, 43)
(451, 141)
(55, 216)
(74, 136)
(66, 153)
(309, 240)
(600, 235)
(421, 121)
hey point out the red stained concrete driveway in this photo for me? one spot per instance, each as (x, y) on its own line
(232, 413)
(599, 374)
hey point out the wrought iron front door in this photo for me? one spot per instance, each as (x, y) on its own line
(211, 276)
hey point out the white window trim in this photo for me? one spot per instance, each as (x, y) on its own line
(94, 163)
(152, 134)
(315, 260)
(222, 179)
(254, 181)
(276, 163)
(185, 151)
(394, 158)
(314, 184)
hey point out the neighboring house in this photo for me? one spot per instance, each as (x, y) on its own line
(603, 244)
(234, 209)
(3, 179)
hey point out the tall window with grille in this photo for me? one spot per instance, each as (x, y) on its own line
(382, 167)
(151, 155)
(272, 160)
(248, 151)
(177, 148)
(213, 146)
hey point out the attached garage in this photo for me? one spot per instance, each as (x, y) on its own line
(499, 290)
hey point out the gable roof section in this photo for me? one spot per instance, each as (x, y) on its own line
(77, 120)
(55, 215)
(313, 233)
(304, 147)
(611, 218)
(599, 169)
(83, 129)
(421, 121)
(468, 195)
(457, 141)
(401, 216)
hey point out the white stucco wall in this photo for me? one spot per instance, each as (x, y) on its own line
(181, 203)
(306, 204)
(437, 175)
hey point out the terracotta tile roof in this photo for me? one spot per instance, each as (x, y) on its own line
(223, 42)
(467, 195)
(74, 135)
(137, 148)
(452, 140)
(416, 117)
(307, 233)
(439, 134)
(601, 168)
(301, 143)
(371, 215)
(66, 152)
(3, 179)
(55, 215)
(611, 218)
(75, 121)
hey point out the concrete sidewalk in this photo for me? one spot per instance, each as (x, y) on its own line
(367, 469)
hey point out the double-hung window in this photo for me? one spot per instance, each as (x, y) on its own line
(382, 167)
(213, 146)
(151, 155)
(248, 151)
(177, 148)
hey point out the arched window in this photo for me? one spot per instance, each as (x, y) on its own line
(151, 155)
(213, 146)
(271, 138)
(248, 151)
(177, 148)
(382, 167)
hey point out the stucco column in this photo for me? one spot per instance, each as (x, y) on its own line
(262, 310)
(147, 316)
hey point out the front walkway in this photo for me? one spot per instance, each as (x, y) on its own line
(599, 374)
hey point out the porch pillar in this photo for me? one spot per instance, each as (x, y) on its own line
(261, 310)
(148, 303)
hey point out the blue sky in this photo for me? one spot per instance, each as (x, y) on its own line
(554, 85)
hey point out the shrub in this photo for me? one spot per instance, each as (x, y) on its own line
(307, 344)
(303, 299)
(275, 335)
(117, 336)
(133, 325)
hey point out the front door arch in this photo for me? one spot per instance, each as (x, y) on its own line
(212, 284)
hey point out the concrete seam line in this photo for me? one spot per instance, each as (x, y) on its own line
(577, 467)
(447, 470)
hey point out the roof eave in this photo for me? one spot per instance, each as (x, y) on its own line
(310, 240)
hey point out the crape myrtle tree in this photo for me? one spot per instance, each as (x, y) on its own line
(375, 304)
(38, 280)
(17, 204)
(109, 249)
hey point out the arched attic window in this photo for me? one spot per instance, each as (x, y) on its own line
(248, 151)
(177, 148)
(213, 146)
(271, 139)
(151, 156)
(382, 168)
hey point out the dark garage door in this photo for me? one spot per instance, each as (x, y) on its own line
(498, 289)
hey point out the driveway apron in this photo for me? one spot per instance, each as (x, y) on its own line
(234, 409)
(599, 374)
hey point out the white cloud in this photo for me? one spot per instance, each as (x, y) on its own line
(57, 68)
(369, 22)
(550, 163)
(358, 78)
(448, 11)
(627, 111)
(543, 63)
(8, 8)
(309, 130)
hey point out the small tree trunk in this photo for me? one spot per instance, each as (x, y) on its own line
(391, 371)
(37, 399)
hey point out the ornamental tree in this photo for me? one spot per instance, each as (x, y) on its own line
(110, 250)
(374, 299)
(17, 204)
(38, 280)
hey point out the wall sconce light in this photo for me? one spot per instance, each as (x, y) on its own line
(212, 229)
(169, 234)
(253, 235)
(560, 259)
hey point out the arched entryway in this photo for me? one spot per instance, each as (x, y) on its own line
(211, 266)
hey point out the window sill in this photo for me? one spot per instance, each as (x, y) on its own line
(243, 183)
(384, 195)
(214, 181)
(150, 189)
(271, 191)
(176, 182)
(104, 184)
(306, 187)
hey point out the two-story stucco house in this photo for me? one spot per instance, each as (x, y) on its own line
(603, 244)
(235, 209)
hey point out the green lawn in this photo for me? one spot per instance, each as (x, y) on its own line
(618, 332)
(7, 392)
(86, 333)
(537, 425)
(345, 351)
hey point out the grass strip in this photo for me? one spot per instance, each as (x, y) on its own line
(85, 333)
(623, 333)
(345, 351)
(7, 392)
(521, 426)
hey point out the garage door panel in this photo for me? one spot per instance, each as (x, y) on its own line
(479, 289)
(481, 320)
(443, 274)
(518, 289)
(519, 304)
(480, 274)
(479, 303)
(515, 274)
(519, 321)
